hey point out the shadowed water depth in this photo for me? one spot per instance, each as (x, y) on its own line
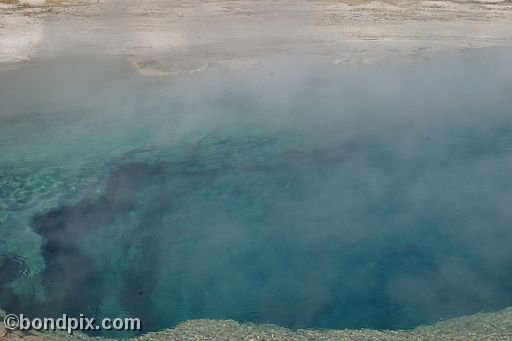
(378, 197)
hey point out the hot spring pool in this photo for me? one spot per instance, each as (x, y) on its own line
(308, 197)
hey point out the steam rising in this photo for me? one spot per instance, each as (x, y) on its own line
(293, 193)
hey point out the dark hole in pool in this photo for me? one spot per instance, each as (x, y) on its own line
(392, 227)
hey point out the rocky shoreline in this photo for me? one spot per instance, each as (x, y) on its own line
(165, 38)
(483, 327)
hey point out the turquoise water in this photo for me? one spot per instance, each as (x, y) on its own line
(301, 195)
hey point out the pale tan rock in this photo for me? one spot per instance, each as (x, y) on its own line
(13, 337)
(184, 36)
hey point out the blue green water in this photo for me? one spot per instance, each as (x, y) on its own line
(309, 197)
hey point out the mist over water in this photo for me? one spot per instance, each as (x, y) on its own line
(302, 195)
